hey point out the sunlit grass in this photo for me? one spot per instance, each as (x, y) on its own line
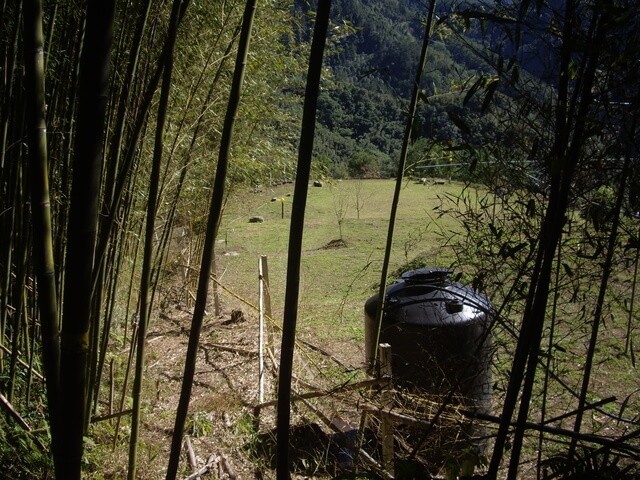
(341, 263)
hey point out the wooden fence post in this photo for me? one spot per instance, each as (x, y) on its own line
(261, 282)
(265, 278)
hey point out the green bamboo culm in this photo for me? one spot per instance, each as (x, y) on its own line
(295, 237)
(41, 214)
(119, 180)
(145, 281)
(112, 163)
(607, 271)
(12, 101)
(83, 219)
(406, 140)
(19, 299)
(215, 213)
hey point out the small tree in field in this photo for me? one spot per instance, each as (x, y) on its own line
(359, 196)
(340, 207)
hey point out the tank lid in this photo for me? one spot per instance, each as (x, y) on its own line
(430, 275)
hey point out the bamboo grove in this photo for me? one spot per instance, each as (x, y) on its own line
(122, 122)
(97, 148)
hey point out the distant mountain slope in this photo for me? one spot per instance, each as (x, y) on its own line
(361, 108)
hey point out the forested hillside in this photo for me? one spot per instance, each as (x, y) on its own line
(372, 63)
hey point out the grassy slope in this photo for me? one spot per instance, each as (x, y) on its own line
(335, 281)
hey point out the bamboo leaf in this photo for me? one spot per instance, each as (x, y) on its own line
(491, 90)
(560, 348)
(567, 269)
(478, 84)
(517, 248)
(531, 208)
(458, 122)
(492, 17)
(515, 76)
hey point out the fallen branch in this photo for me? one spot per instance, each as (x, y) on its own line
(585, 437)
(227, 420)
(204, 470)
(333, 426)
(23, 363)
(6, 405)
(13, 413)
(226, 348)
(190, 453)
(102, 418)
(325, 353)
(395, 416)
(588, 406)
(226, 466)
(323, 393)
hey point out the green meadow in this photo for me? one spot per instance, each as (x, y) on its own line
(345, 234)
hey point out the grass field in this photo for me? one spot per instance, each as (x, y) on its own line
(341, 262)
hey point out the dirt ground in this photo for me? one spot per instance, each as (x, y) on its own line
(221, 425)
(224, 437)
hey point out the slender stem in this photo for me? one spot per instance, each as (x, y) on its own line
(41, 214)
(400, 175)
(597, 316)
(295, 237)
(569, 152)
(152, 206)
(215, 213)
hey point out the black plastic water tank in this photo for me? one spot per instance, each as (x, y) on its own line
(439, 332)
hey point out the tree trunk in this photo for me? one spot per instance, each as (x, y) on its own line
(41, 215)
(295, 237)
(83, 218)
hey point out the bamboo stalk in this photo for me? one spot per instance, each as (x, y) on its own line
(547, 364)
(83, 218)
(19, 304)
(607, 268)
(152, 206)
(400, 174)
(217, 203)
(13, 413)
(295, 237)
(552, 229)
(41, 214)
(11, 128)
(386, 428)
(536, 298)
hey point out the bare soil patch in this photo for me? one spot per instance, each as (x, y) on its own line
(221, 424)
(337, 243)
